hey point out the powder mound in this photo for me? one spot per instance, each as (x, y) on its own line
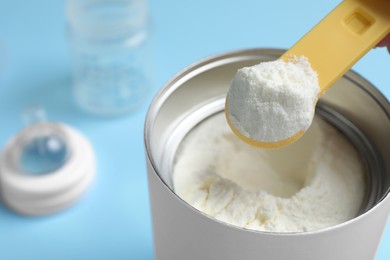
(314, 183)
(274, 100)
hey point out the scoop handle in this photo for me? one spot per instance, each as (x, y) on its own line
(341, 38)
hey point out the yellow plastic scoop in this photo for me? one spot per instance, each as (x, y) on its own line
(336, 43)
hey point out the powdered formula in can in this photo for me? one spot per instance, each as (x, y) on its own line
(353, 106)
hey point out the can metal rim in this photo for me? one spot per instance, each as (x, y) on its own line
(241, 55)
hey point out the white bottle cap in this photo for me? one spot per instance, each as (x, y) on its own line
(46, 193)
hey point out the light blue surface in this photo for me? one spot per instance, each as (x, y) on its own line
(112, 221)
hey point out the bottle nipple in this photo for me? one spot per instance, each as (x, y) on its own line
(44, 153)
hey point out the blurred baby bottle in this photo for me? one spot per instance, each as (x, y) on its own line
(110, 49)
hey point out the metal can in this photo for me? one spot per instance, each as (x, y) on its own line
(352, 105)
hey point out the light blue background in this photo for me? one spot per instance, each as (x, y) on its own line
(112, 221)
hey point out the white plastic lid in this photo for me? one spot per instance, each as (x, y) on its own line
(47, 193)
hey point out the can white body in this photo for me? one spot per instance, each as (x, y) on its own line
(182, 232)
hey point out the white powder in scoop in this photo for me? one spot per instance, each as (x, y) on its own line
(312, 184)
(274, 100)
